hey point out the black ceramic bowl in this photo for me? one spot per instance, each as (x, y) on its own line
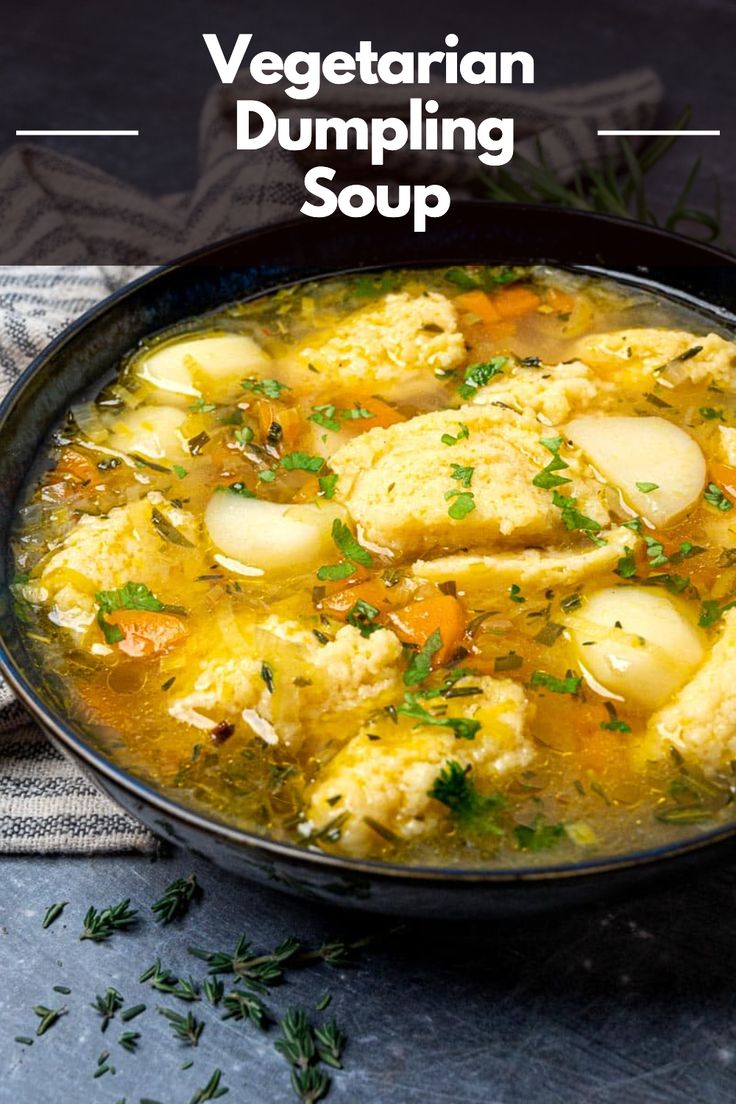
(260, 262)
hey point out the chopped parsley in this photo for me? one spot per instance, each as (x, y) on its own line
(709, 413)
(327, 485)
(179, 471)
(568, 685)
(675, 584)
(301, 461)
(515, 593)
(463, 504)
(243, 435)
(267, 476)
(647, 488)
(420, 665)
(573, 519)
(715, 497)
(200, 406)
(711, 611)
(655, 552)
(538, 836)
(351, 549)
(463, 475)
(615, 725)
(462, 434)
(626, 566)
(463, 727)
(478, 375)
(470, 810)
(484, 279)
(363, 616)
(546, 479)
(270, 388)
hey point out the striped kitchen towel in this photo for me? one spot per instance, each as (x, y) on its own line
(79, 213)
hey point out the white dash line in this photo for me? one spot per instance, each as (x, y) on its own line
(77, 133)
(659, 133)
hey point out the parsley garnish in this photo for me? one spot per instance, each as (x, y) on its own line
(568, 685)
(301, 461)
(572, 517)
(462, 434)
(715, 496)
(464, 504)
(546, 479)
(200, 406)
(515, 594)
(711, 611)
(709, 412)
(538, 836)
(179, 471)
(470, 810)
(647, 488)
(420, 664)
(131, 596)
(243, 436)
(463, 727)
(327, 485)
(478, 375)
(626, 566)
(271, 388)
(463, 475)
(363, 616)
(351, 549)
(615, 725)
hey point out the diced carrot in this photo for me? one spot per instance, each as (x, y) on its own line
(359, 576)
(725, 477)
(384, 414)
(514, 302)
(78, 466)
(415, 623)
(145, 632)
(373, 591)
(478, 303)
(287, 418)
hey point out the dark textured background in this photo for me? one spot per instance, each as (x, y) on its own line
(633, 1002)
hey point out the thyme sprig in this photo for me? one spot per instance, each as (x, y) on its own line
(99, 926)
(212, 1090)
(187, 1029)
(107, 1006)
(242, 1005)
(176, 899)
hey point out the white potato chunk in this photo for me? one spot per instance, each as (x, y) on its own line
(658, 467)
(636, 644)
(150, 431)
(212, 366)
(273, 536)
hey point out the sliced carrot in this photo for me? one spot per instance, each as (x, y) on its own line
(384, 415)
(76, 465)
(373, 591)
(515, 302)
(724, 476)
(415, 623)
(478, 303)
(146, 633)
(287, 418)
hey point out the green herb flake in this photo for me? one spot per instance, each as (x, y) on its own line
(471, 811)
(302, 461)
(538, 836)
(327, 485)
(270, 388)
(568, 685)
(463, 433)
(463, 727)
(515, 594)
(362, 616)
(710, 413)
(462, 505)
(349, 545)
(573, 519)
(179, 471)
(420, 665)
(267, 476)
(478, 375)
(647, 488)
(715, 497)
(626, 566)
(463, 475)
(53, 912)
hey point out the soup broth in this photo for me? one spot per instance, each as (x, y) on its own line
(432, 567)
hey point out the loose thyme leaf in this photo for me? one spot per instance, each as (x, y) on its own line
(53, 912)
(48, 1017)
(538, 836)
(420, 665)
(176, 899)
(99, 926)
(107, 1005)
(211, 1091)
(129, 1041)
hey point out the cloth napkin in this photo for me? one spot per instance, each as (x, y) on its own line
(82, 215)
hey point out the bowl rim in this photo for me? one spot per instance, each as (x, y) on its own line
(75, 745)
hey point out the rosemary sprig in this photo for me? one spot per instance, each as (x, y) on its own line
(99, 926)
(609, 188)
(48, 1017)
(212, 1089)
(107, 1005)
(241, 1005)
(53, 912)
(176, 899)
(187, 1029)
